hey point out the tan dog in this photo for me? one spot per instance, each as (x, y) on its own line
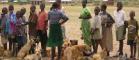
(100, 56)
(74, 52)
(33, 57)
(1, 51)
(24, 50)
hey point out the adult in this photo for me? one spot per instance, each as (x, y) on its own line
(56, 18)
(107, 23)
(42, 28)
(85, 24)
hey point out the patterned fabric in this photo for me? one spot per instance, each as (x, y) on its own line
(107, 37)
(132, 29)
(33, 23)
(55, 32)
(11, 24)
(85, 13)
(55, 15)
(85, 26)
(41, 23)
(20, 30)
(86, 31)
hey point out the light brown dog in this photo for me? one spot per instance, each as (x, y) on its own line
(100, 56)
(25, 50)
(74, 52)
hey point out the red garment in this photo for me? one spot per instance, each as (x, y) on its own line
(42, 18)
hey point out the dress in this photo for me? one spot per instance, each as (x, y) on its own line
(85, 26)
(107, 37)
(55, 31)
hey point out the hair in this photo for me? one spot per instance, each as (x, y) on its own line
(22, 9)
(33, 6)
(55, 5)
(104, 5)
(4, 8)
(96, 8)
(11, 6)
(120, 3)
(132, 12)
(42, 4)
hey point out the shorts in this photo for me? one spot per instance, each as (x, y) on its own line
(131, 42)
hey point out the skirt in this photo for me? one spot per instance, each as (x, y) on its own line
(55, 35)
(107, 38)
(120, 35)
(86, 31)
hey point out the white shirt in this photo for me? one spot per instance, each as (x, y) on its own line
(96, 23)
(120, 17)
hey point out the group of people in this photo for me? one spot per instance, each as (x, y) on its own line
(13, 28)
(99, 30)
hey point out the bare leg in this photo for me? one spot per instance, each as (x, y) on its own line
(131, 51)
(121, 47)
(134, 50)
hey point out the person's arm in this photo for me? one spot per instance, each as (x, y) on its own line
(64, 18)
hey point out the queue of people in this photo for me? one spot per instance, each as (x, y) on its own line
(97, 32)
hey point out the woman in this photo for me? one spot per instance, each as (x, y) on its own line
(107, 22)
(85, 25)
(56, 18)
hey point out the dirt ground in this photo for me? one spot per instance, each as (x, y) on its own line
(73, 25)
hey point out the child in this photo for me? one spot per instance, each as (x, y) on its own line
(132, 34)
(4, 18)
(56, 19)
(42, 25)
(96, 29)
(23, 17)
(32, 26)
(119, 15)
(11, 29)
(85, 25)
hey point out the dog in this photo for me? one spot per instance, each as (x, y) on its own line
(74, 52)
(1, 51)
(100, 56)
(33, 57)
(25, 49)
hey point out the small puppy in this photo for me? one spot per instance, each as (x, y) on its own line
(74, 52)
(25, 50)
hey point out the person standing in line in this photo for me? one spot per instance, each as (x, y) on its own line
(42, 26)
(23, 17)
(97, 30)
(11, 29)
(56, 18)
(120, 19)
(4, 18)
(32, 26)
(132, 34)
(107, 24)
(85, 24)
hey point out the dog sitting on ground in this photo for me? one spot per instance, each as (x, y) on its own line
(25, 50)
(74, 52)
(33, 57)
(100, 56)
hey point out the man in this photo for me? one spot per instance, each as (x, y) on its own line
(42, 28)
(119, 15)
